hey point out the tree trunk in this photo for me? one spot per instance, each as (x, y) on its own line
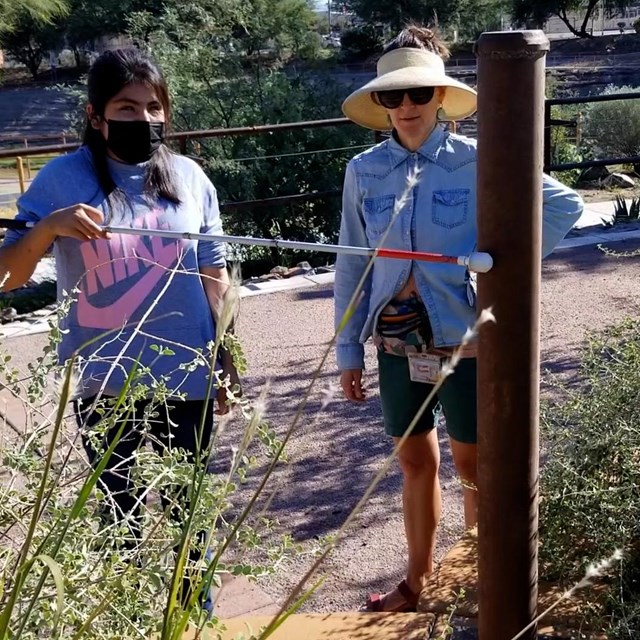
(34, 60)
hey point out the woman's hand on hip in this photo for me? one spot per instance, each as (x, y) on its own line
(351, 382)
(79, 221)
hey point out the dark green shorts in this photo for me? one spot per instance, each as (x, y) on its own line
(401, 399)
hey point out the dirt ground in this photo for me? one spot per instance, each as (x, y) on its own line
(599, 194)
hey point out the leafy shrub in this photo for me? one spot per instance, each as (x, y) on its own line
(614, 127)
(590, 500)
(66, 573)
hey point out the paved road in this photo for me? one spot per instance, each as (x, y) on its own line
(337, 451)
(32, 112)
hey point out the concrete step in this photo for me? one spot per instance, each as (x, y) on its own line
(337, 626)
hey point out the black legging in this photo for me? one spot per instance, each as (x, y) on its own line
(116, 479)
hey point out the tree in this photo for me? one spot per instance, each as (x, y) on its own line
(476, 16)
(537, 12)
(397, 14)
(42, 11)
(360, 42)
(30, 39)
(89, 20)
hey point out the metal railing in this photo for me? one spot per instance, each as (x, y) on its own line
(181, 138)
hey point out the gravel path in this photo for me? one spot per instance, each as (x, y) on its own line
(337, 451)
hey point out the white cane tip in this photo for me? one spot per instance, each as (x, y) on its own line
(480, 262)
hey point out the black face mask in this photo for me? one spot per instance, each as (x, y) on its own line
(134, 141)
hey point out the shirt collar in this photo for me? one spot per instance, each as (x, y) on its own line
(428, 150)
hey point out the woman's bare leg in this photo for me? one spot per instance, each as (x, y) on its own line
(465, 458)
(419, 460)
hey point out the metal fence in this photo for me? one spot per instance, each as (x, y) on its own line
(550, 122)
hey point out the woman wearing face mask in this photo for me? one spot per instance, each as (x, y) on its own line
(416, 312)
(131, 292)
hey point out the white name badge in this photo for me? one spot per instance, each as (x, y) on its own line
(424, 367)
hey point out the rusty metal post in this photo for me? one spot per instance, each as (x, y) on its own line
(20, 168)
(511, 82)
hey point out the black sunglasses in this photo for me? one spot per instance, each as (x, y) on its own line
(393, 99)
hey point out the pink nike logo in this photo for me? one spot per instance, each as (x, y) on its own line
(106, 265)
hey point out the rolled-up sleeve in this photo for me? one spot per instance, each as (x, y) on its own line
(211, 253)
(35, 204)
(561, 208)
(349, 270)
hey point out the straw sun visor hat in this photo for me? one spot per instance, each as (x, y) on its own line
(407, 68)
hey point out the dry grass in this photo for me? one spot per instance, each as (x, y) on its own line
(8, 173)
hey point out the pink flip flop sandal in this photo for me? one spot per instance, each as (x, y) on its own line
(376, 601)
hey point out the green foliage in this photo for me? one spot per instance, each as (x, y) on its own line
(534, 13)
(590, 500)
(477, 16)
(232, 65)
(361, 42)
(397, 14)
(564, 148)
(89, 20)
(636, 25)
(566, 152)
(277, 29)
(42, 11)
(65, 571)
(614, 127)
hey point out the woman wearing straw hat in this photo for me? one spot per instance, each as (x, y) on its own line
(417, 191)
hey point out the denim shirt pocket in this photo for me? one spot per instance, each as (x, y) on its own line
(450, 207)
(377, 214)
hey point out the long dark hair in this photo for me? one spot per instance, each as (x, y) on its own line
(108, 75)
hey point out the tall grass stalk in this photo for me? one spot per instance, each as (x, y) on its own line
(79, 503)
(411, 182)
(23, 565)
(225, 317)
(593, 571)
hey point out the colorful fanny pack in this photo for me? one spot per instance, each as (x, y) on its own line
(403, 327)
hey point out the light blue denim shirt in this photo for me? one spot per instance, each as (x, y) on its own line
(438, 215)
